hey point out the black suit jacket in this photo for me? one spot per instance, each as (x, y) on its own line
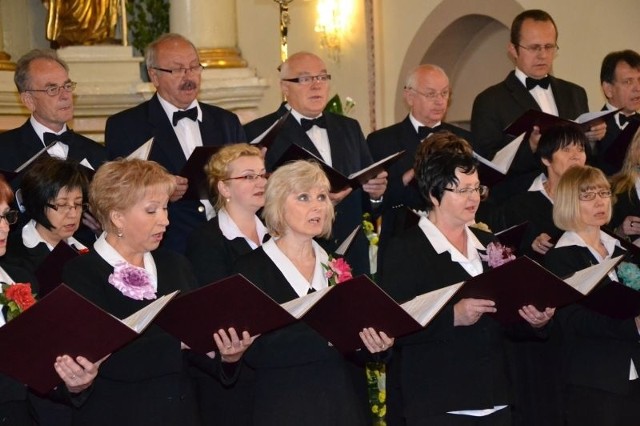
(128, 130)
(300, 378)
(18, 145)
(349, 154)
(146, 382)
(596, 349)
(211, 254)
(442, 368)
(498, 106)
(627, 204)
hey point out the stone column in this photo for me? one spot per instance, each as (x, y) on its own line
(211, 26)
(5, 59)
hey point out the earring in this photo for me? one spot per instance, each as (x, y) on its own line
(228, 200)
(119, 233)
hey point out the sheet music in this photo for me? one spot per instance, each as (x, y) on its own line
(298, 307)
(142, 153)
(426, 306)
(141, 319)
(586, 279)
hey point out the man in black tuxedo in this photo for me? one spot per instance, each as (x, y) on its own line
(620, 80)
(46, 90)
(426, 92)
(178, 123)
(533, 46)
(336, 139)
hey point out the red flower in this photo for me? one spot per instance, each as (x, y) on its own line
(337, 271)
(21, 294)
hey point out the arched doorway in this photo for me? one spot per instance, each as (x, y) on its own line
(467, 39)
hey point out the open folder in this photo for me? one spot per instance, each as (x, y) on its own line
(64, 322)
(266, 138)
(524, 282)
(526, 121)
(193, 170)
(49, 272)
(494, 171)
(337, 180)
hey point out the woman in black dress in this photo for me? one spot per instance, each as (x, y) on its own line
(626, 188)
(300, 377)
(237, 177)
(53, 193)
(601, 355)
(454, 372)
(147, 381)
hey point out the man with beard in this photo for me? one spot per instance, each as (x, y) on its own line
(178, 123)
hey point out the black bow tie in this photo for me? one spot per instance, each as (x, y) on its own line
(308, 124)
(531, 83)
(424, 131)
(624, 119)
(52, 137)
(191, 113)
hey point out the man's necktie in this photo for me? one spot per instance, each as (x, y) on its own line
(424, 131)
(52, 137)
(624, 119)
(191, 113)
(531, 83)
(308, 124)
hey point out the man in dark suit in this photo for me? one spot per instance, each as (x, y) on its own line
(336, 139)
(46, 90)
(620, 80)
(426, 92)
(178, 123)
(533, 46)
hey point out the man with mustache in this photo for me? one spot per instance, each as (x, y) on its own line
(178, 123)
(533, 47)
(45, 89)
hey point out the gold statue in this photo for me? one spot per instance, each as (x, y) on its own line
(81, 22)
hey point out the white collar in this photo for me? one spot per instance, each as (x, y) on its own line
(231, 231)
(295, 279)
(41, 129)
(538, 185)
(441, 244)
(169, 108)
(112, 257)
(570, 238)
(5, 278)
(31, 238)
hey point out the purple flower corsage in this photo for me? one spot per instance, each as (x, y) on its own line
(132, 281)
(497, 255)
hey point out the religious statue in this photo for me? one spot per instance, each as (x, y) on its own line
(82, 22)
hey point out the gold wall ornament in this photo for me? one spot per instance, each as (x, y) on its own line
(333, 22)
(5, 62)
(82, 22)
(285, 20)
(221, 58)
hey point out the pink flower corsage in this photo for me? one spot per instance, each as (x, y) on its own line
(337, 270)
(497, 255)
(132, 281)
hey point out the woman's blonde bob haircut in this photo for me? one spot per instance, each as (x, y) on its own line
(293, 178)
(217, 169)
(118, 185)
(566, 207)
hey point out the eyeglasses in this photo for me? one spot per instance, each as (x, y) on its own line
(249, 178)
(181, 72)
(591, 195)
(55, 89)
(11, 216)
(308, 79)
(66, 208)
(482, 190)
(539, 48)
(432, 95)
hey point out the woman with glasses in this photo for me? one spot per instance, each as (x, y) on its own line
(453, 372)
(600, 355)
(53, 193)
(14, 406)
(237, 179)
(559, 148)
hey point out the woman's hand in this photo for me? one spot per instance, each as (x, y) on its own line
(469, 311)
(630, 226)
(77, 374)
(376, 341)
(536, 318)
(542, 244)
(230, 346)
(336, 197)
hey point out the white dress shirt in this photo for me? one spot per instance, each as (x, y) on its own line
(544, 97)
